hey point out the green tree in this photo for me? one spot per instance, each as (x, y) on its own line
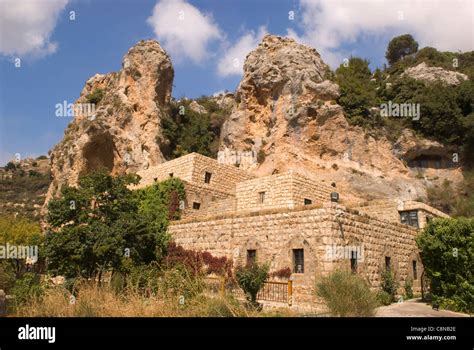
(18, 232)
(447, 252)
(399, 47)
(101, 223)
(357, 92)
(187, 131)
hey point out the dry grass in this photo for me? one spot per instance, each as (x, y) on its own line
(93, 300)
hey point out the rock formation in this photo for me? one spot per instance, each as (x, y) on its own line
(286, 114)
(122, 133)
(431, 74)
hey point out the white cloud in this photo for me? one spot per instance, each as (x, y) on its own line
(183, 30)
(326, 25)
(232, 61)
(26, 26)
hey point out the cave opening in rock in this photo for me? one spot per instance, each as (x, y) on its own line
(99, 153)
(430, 161)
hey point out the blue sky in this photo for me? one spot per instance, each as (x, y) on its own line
(58, 55)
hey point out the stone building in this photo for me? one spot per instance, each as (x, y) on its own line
(290, 220)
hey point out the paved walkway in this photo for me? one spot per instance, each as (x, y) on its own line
(414, 308)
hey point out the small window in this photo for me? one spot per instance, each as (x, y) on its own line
(298, 260)
(251, 256)
(354, 261)
(388, 262)
(308, 201)
(171, 174)
(415, 274)
(261, 197)
(409, 217)
(207, 177)
(196, 205)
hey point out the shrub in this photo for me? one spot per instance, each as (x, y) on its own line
(251, 279)
(447, 253)
(197, 262)
(346, 294)
(408, 289)
(384, 298)
(28, 286)
(389, 284)
(95, 96)
(282, 273)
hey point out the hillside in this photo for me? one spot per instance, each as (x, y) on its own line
(23, 187)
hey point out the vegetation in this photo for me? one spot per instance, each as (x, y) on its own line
(102, 224)
(447, 252)
(357, 92)
(408, 289)
(346, 294)
(23, 194)
(95, 96)
(187, 131)
(18, 232)
(251, 279)
(442, 196)
(389, 287)
(400, 47)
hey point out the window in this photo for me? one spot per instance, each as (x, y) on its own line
(308, 201)
(388, 262)
(251, 256)
(196, 205)
(171, 174)
(207, 177)
(298, 260)
(354, 261)
(415, 274)
(409, 217)
(261, 197)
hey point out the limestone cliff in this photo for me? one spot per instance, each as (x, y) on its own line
(286, 113)
(431, 74)
(123, 131)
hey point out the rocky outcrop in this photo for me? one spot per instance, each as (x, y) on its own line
(429, 74)
(122, 133)
(287, 116)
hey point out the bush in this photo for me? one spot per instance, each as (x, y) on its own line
(346, 294)
(282, 273)
(447, 253)
(384, 298)
(408, 289)
(251, 279)
(95, 96)
(389, 284)
(27, 287)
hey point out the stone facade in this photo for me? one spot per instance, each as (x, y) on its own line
(290, 221)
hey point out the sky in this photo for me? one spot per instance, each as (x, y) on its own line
(50, 48)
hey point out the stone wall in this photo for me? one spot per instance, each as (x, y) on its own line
(181, 167)
(192, 168)
(223, 177)
(210, 201)
(319, 231)
(286, 190)
(390, 210)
